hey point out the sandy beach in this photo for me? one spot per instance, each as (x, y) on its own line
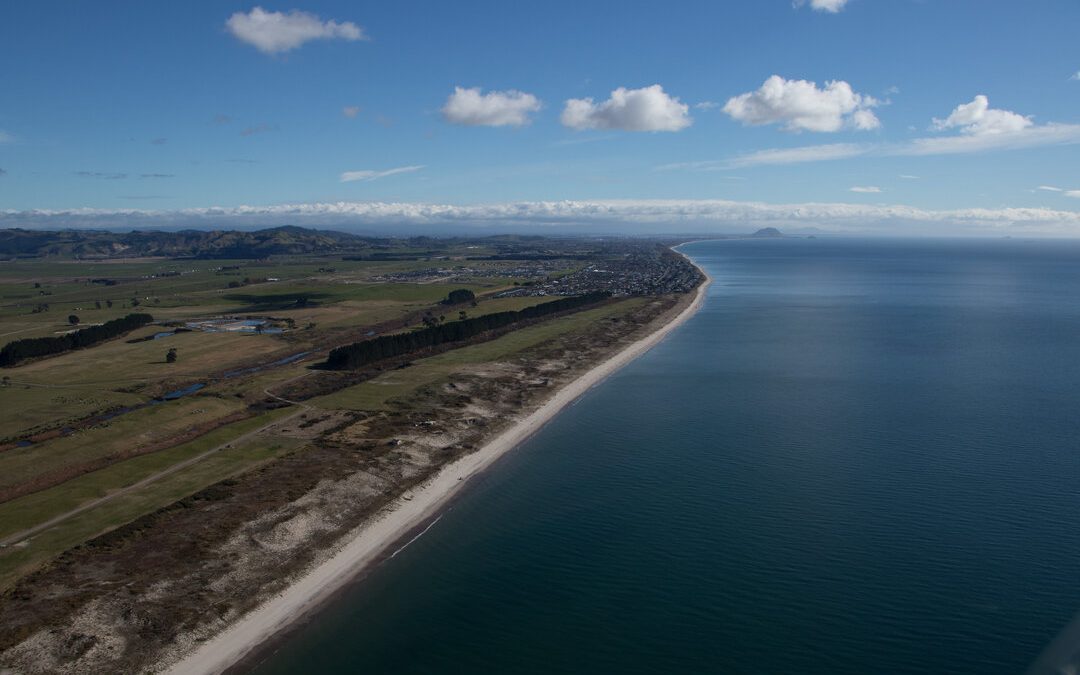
(405, 516)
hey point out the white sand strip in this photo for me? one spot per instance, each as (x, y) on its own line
(403, 516)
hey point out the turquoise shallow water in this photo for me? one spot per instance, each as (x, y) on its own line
(859, 457)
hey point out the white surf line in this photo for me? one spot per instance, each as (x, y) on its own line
(394, 554)
(373, 537)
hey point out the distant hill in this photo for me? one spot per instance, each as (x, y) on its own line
(186, 243)
(767, 233)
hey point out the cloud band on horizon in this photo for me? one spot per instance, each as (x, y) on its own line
(654, 216)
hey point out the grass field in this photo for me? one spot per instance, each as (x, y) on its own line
(326, 298)
(70, 386)
(22, 513)
(127, 434)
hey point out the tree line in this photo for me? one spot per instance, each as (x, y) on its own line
(386, 346)
(29, 348)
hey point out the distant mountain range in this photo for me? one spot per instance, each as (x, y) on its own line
(186, 243)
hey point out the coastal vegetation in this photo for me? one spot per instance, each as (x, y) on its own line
(125, 462)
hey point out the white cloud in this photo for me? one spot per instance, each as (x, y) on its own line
(871, 189)
(979, 119)
(350, 111)
(1068, 193)
(865, 120)
(275, 32)
(706, 105)
(1030, 137)
(645, 109)
(830, 6)
(808, 153)
(1027, 137)
(908, 176)
(370, 174)
(618, 215)
(5, 137)
(1076, 76)
(493, 109)
(800, 105)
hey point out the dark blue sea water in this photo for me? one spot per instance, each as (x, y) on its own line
(859, 457)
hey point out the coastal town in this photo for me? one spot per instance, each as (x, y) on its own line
(623, 268)
(643, 272)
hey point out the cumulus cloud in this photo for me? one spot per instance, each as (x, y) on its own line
(370, 174)
(830, 6)
(350, 111)
(871, 189)
(1075, 194)
(1076, 76)
(474, 108)
(800, 105)
(645, 109)
(277, 32)
(655, 216)
(977, 118)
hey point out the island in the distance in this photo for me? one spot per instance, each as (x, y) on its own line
(208, 432)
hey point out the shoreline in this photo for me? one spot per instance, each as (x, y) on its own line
(374, 540)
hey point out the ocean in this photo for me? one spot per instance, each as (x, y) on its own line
(861, 456)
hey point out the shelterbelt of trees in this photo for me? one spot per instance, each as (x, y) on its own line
(386, 346)
(31, 348)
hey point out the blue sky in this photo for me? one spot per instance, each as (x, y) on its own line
(166, 107)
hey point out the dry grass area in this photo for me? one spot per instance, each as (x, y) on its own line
(124, 600)
(116, 361)
(42, 465)
(58, 391)
(241, 447)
